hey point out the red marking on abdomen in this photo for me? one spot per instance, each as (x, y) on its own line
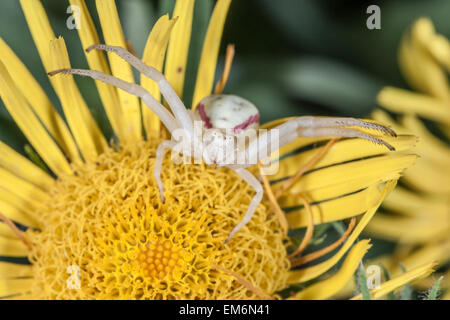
(206, 120)
(244, 125)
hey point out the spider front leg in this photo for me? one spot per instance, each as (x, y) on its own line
(256, 185)
(175, 103)
(163, 114)
(314, 127)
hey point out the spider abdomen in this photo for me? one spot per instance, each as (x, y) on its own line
(226, 111)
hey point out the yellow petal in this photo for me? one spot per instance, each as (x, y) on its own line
(429, 177)
(10, 270)
(9, 287)
(408, 65)
(297, 144)
(432, 166)
(154, 54)
(97, 61)
(406, 278)
(413, 204)
(382, 117)
(40, 29)
(177, 51)
(408, 230)
(439, 47)
(38, 101)
(434, 77)
(88, 136)
(438, 251)
(54, 56)
(309, 273)
(336, 209)
(341, 151)
(210, 51)
(404, 101)
(113, 35)
(12, 248)
(6, 232)
(22, 188)
(30, 125)
(326, 288)
(26, 206)
(24, 168)
(17, 215)
(429, 146)
(321, 184)
(20, 296)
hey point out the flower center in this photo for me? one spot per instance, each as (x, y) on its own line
(159, 259)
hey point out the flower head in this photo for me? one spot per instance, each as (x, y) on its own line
(417, 214)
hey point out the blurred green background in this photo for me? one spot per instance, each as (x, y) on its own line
(293, 57)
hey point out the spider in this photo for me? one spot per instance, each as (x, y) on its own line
(224, 117)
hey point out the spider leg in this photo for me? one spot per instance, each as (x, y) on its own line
(255, 184)
(163, 114)
(330, 122)
(333, 132)
(160, 151)
(317, 127)
(175, 103)
(350, 122)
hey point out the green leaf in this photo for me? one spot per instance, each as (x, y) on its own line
(434, 291)
(339, 227)
(387, 277)
(319, 234)
(407, 291)
(362, 283)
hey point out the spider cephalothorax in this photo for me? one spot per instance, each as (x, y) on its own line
(219, 146)
(229, 124)
(225, 117)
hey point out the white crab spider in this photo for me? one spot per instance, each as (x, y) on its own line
(219, 113)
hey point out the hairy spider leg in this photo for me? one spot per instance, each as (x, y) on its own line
(179, 110)
(314, 127)
(163, 114)
(256, 185)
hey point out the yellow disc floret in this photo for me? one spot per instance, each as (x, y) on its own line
(107, 223)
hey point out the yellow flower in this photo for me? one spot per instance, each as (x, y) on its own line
(95, 226)
(417, 214)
